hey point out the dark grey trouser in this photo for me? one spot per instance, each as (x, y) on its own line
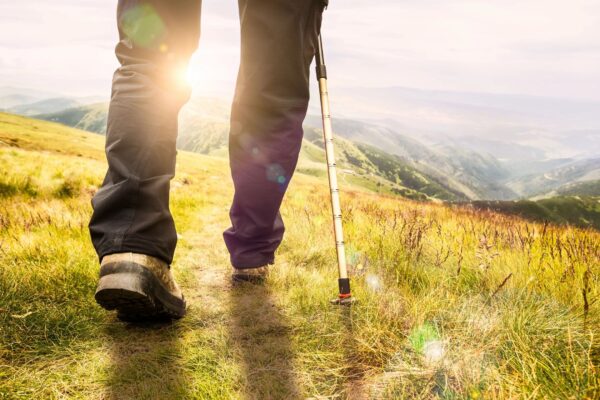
(157, 39)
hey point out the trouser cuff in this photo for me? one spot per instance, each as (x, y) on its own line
(251, 262)
(133, 244)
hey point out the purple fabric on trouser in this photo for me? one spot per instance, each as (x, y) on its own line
(157, 38)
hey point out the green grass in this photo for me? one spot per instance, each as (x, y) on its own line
(453, 303)
(575, 210)
(585, 188)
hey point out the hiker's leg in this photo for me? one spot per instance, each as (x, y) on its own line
(278, 45)
(131, 210)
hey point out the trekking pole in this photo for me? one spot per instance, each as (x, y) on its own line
(345, 296)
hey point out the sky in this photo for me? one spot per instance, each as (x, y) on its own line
(547, 48)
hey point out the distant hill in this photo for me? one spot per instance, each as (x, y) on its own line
(587, 188)
(462, 165)
(554, 179)
(204, 128)
(91, 118)
(508, 126)
(378, 170)
(476, 175)
(480, 171)
(44, 106)
(12, 100)
(15, 96)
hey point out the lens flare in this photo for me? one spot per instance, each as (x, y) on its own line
(425, 340)
(143, 26)
(276, 173)
(433, 351)
(374, 282)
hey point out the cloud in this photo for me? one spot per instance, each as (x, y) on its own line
(537, 47)
(469, 45)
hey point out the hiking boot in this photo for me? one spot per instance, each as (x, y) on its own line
(139, 287)
(253, 275)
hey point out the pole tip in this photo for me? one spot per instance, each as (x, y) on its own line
(343, 301)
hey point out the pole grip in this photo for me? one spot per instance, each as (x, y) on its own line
(320, 57)
(321, 72)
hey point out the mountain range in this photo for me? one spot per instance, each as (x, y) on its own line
(421, 144)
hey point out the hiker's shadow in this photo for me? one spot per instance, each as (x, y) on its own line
(260, 334)
(353, 370)
(144, 361)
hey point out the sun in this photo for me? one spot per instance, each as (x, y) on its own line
(209, 71)
(191, 74)
(198, 73)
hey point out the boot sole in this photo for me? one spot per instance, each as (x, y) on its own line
(136, 294)
(241, 278)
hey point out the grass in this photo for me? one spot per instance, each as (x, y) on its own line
(582, 211)
(453, 303)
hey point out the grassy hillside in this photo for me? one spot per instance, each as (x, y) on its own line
(91, 117)
(395, 170)
(474, 175)
(375, 169)
(587, 188)
(453, 304)
(481, 171)
(579, 211)
(204, 125)
(204, 129)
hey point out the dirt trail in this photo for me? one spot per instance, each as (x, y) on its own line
(256, 331)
